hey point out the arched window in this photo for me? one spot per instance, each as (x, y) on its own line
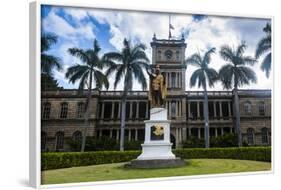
(173, 110)
(46, 110)
(248, 108)
(59, 140)
(77, 136)
(261, 108)
(250, 136)
(80, 110)
(43, 140)
(264, 135)
(159, 55)
(64, 110)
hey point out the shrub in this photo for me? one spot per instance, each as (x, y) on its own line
(244, 153)
(103, 144)
(57, 160)
(193, 142)
(226, 140)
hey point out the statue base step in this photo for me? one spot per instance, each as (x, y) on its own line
(156, 163)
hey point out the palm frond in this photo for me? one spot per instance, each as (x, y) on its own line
(212, 76)
(226, 74)
(79, 53)
(263, 46)
(194, 59)
(48, 62)
(227, 53)
(119, 74)
(47, 39)
(266, 64)
(248, 60)
(139, 75)
(241, 49)
(245, 75)
(75, 72)
(100, 79)
(207, 56)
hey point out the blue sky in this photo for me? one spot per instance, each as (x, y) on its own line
(78, 27)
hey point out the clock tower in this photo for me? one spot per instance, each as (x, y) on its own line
(170, 55)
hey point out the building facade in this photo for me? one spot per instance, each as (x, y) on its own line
(63, 110)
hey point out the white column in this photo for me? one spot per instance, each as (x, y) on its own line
(137, 111)
(117, 134)
(216, 132)
(100, 132)
(119, 110)
(146, 110)
(136, 134)
(112, 110)
(189, 132)
(177, 108)
(102, 110)
(198, 110)
(129, 135)
(215, 109)
(180, 134)
(229, 109)
(220, 110)
(199, 133)
(222, 131)
(170, 107)
(177, 136)
(188, 107)
(131, 110)
(110, 133)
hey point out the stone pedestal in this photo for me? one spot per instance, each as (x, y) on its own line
(157, 148)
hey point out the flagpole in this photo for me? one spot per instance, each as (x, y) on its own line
(169, 26)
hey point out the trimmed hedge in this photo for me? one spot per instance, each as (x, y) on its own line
(55, 160)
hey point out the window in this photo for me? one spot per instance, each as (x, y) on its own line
(43, 140)
(77, 136)
(250, 135)
(59, 140)
(264, 135)
(177, 55)
(159, 55)
(248, 108)
(46, 111)
(261, 108)
(64, 109)
(173, 79)
(80, 110)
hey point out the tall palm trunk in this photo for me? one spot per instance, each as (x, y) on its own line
(237, 116)
(123, 117)
(87, 113)
(206, 118)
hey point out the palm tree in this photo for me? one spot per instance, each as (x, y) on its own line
(48, 62)
(264, 47)
(127, 64)
(87, 73)
(236, 73)
(204, 76)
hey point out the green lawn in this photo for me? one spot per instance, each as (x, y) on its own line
(117, 171)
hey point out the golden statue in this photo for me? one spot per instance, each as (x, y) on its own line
(157, 88)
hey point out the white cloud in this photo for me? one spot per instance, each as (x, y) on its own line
(140, 27)
(56, 24)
